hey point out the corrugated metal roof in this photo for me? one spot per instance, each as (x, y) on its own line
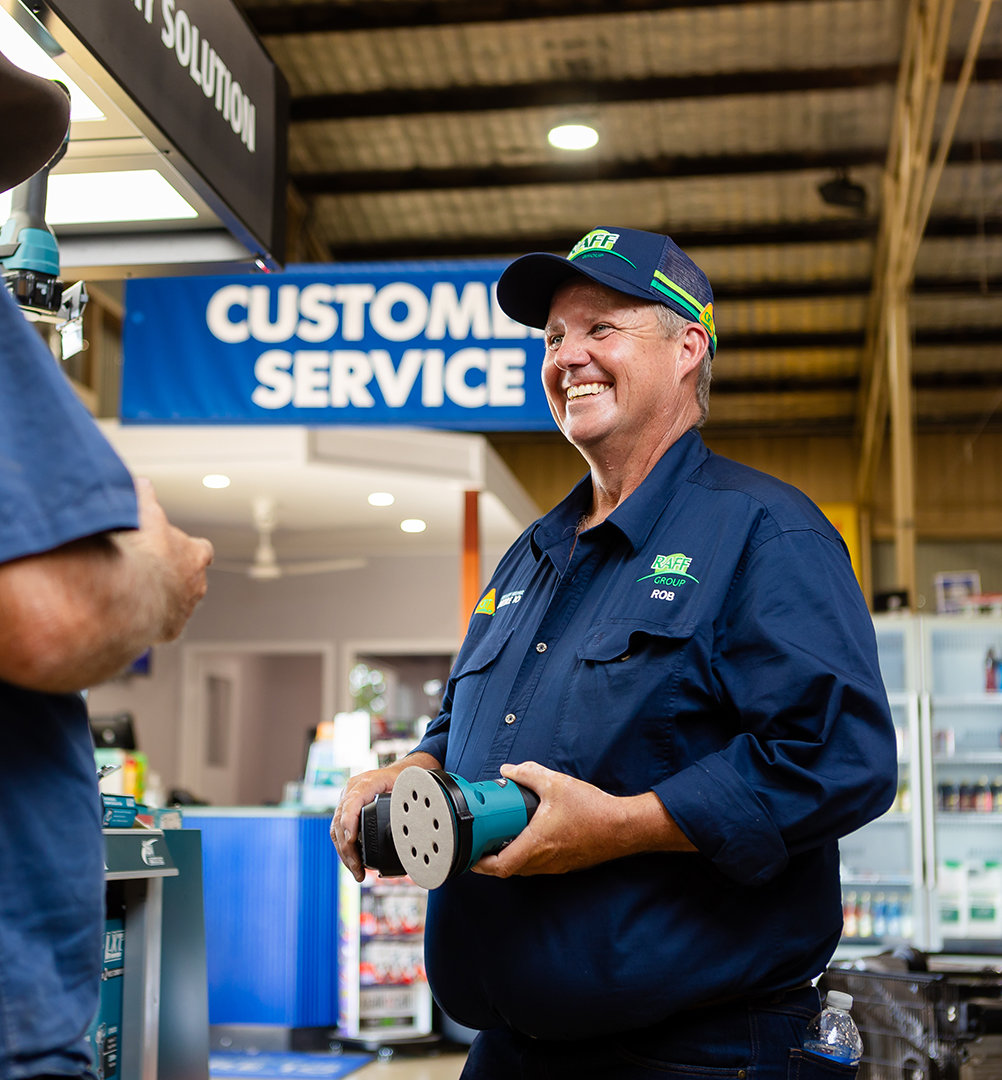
(418, 129)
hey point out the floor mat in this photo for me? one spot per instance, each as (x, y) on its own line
(270, 1066)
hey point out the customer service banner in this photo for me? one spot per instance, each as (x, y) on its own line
(413, 344)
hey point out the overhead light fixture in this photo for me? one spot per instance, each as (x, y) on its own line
(413, 525)
(103, 198)
(215, 480)
(381, 498)
(841, 191)
(21, 49)
(573, 137)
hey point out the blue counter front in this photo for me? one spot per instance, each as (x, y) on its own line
(270, 885)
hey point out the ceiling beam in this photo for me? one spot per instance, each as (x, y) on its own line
(493, 245)
(320, 16)
(373, 181)
(463, 99)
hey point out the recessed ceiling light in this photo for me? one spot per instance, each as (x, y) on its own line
(573, 137)
(381, 498)
(413, 525)
(215, 480)
(102, 197)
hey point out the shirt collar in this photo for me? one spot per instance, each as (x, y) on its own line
(636, 516)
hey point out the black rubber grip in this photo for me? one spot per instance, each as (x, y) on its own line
(531, 800)
(375, 840)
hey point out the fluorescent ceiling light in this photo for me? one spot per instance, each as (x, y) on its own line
(573, 137)
(381, 498)
(215, 480)
(413, 525)
(104, 197)
(21, 49)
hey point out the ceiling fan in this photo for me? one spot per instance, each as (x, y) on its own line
(265, 565)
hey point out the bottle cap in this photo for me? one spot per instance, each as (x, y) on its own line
(838, 1000)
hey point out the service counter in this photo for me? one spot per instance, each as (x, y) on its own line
(270, 886)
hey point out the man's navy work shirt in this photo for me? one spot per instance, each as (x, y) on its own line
(59, 481)
(708, 642)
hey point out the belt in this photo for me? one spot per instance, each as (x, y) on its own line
(768, 997)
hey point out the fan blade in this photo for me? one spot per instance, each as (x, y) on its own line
(322, 566)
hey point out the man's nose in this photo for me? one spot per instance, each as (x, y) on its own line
(571, 353)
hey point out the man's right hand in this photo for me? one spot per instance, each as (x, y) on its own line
(359, 792)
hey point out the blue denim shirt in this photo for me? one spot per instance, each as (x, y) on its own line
(707, 642)
(59, 480)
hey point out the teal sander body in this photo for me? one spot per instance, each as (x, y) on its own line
(440, 824)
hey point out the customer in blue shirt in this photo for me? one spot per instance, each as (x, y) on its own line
(677, 659)
(91, 573)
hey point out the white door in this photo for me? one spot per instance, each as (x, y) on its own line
(213, 761)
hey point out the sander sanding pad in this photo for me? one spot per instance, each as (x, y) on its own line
(423, 827)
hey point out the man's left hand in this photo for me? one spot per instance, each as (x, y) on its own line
(577, 825)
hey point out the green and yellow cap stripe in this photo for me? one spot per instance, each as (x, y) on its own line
(703, 315)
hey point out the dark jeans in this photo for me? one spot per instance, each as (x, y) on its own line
(752, 1040)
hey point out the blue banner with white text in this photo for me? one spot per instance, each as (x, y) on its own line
(420, 344)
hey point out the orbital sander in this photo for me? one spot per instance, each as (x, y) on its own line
(435, 825)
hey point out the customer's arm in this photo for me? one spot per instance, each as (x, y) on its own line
(78, 614)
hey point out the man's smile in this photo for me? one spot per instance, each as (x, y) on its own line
(586, 390)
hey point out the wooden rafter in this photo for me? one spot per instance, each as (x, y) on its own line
(909, 186)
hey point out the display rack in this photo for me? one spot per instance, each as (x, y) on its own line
(136, 862)
(383, 994)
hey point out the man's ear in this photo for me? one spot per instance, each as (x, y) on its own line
(693, 342)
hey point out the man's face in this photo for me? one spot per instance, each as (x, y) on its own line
(612, 379)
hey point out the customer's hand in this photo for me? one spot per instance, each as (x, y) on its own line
(179, 561)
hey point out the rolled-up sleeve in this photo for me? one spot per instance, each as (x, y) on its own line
(814, 753)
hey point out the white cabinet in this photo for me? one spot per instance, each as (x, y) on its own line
(885, 899)
(962, 708)
(930, 870)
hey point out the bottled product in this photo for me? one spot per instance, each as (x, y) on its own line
(850, 916)
(832, 1033)
(991, 671)
(984, 899)
(952, 890)
(864, 927)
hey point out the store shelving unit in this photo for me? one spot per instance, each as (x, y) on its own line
(383, 994)
(908, 875)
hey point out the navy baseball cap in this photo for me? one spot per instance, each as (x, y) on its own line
(643, 264)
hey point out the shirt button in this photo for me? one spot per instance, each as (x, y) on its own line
(541, 646)
(510, 718)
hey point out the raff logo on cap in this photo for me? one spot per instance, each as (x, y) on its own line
(597, 242)
(706, 318)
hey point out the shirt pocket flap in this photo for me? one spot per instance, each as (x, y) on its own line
(616, 639)
(481, 654)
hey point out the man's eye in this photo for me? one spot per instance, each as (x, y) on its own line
(600, 327)
(554, 341)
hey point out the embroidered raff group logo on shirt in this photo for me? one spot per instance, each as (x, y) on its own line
(669, 572)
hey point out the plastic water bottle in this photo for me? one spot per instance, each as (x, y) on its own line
(833, 1033)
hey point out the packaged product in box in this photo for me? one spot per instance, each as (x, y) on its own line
(105, 1033)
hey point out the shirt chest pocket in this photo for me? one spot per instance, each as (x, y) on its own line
(470, 678)
(616, 714)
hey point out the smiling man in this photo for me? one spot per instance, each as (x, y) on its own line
(689, 682)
